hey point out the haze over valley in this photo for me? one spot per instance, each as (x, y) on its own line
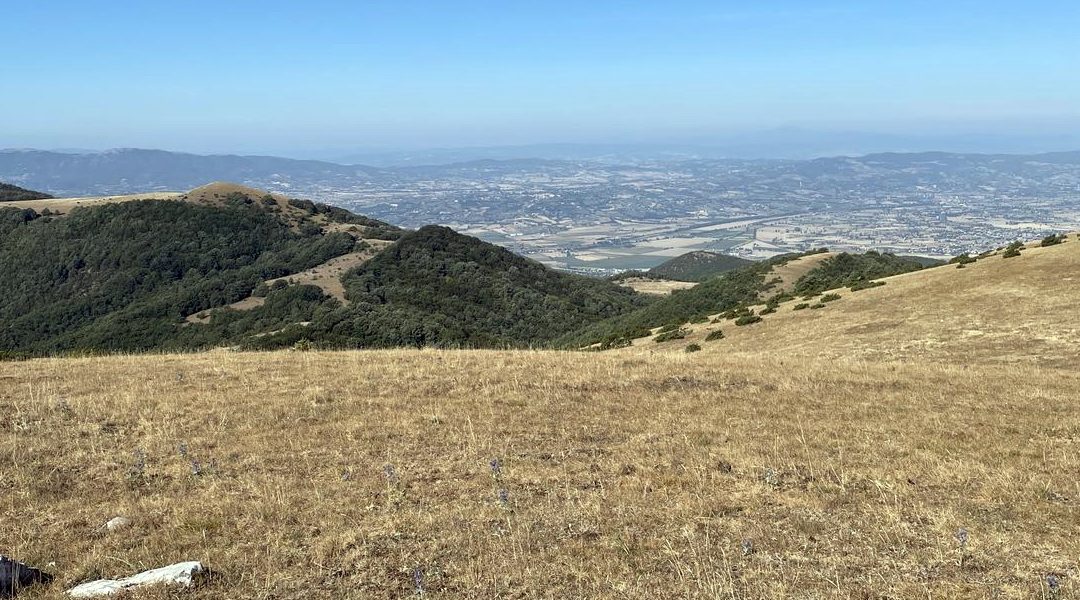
(603, 217)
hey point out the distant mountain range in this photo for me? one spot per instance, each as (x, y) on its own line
(124, 171)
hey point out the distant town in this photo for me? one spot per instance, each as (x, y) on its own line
(596, 217)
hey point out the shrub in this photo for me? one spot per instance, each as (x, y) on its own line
(1050, 240)
(865, 285)
(817, 306)
(676, 334)
(747, 320)
(830, 298)
(693, 348)
(736, 313)
(302, 345)
(614, 342)
(261, 290)
(962, 259)
(768, 310)
(714, 335)
(801, 306)
(1013, 249)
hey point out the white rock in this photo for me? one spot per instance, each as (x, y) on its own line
(178, 574)
(117, 523)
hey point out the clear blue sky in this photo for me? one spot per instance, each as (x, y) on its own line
(239, 75)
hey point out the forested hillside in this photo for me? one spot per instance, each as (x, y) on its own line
(130, 276)
(435, 287)
(11, 193)
(697, 266)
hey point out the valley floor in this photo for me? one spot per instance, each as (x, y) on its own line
(622, 475)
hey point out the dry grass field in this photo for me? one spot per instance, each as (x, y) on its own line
(798, 458)
(997, 310)
(344, 475)
(656, 287)
(64, 205)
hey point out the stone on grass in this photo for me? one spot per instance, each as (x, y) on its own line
(117, 523)
(179, 574)
(16, 576)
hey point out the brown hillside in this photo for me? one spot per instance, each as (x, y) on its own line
(996, 310)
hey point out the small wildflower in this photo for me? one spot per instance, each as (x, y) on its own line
(346, 475)
(1054, 583)
(772, 479)
(390, 473)
(747, 547)
(418, 580)
(138, 467)
(504, 497)
(496, 469)
(181, 449)
(196, 468)
(962, 537)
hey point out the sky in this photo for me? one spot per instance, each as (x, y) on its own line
(304, 77)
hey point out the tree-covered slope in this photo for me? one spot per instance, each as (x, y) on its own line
(131, 276)
(844, 270)
(697, 266)
(11, 193)
(436, 287)
(123, 276)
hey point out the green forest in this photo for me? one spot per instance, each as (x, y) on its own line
(123, 277)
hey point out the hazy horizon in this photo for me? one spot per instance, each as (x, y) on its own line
(331, 79)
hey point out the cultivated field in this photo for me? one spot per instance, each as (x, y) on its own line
(369, 474)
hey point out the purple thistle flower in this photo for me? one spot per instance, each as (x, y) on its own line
(496, 468)
(504, 497)
(1054, 583)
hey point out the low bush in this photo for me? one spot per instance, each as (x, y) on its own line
(747, 320)
(1050, 240)
(693, 348)
(962, 259)
(817, 306)
(830, 298)
(801, 306)
(714, 335)
(865, 285)
(675, 334)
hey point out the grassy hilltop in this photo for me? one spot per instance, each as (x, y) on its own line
(797, 457)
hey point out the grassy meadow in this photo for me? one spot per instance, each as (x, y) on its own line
(487, 474)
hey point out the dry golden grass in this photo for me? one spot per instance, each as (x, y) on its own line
(627, 476)
(656, 287)
(790, 272)
(1022, 309)
(64, 205)
(848, 444)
